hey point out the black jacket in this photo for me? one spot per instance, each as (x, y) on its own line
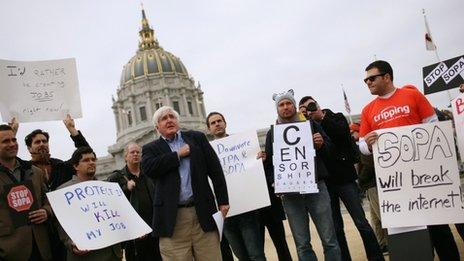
(122, 176)
(162, 165)
(62, 171)
(322, 154)
(345, 154)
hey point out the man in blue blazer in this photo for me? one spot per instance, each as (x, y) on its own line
(180, 162)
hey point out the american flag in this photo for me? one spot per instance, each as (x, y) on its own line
(347, 104)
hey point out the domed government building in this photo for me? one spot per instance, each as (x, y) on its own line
(152, 78)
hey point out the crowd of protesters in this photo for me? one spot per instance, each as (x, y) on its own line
(170, 183)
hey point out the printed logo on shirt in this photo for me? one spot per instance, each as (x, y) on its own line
(392, 112)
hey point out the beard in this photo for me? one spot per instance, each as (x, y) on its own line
(41, 156)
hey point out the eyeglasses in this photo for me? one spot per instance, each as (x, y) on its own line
(373, 77)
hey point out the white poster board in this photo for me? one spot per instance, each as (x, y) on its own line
(458, 116)
(245, 178)
(417, 176)
(293, 158)
(39, 91)
(96, 214)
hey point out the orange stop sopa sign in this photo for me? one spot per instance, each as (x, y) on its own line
(20, 198)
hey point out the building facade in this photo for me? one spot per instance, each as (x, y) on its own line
(152, 78)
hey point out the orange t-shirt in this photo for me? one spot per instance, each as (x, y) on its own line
(407, 106)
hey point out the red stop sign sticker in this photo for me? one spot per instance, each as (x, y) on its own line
(20, 198)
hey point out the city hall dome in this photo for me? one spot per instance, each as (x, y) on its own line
(151, 59)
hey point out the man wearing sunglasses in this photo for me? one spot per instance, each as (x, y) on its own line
(395, 107)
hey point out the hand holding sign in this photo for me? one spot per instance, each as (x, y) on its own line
(14, 124)
(371, 138)
(77, 251)
(261, 155)
(318, 140)
(38, 216)
(224, 209)
(70, 125)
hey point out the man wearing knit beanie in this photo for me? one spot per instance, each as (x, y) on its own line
(297, 205)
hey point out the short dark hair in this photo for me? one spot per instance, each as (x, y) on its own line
(32, 135)
(77, 154)
(212, 114)
(305, 99)
(5, 127)
(382, 66)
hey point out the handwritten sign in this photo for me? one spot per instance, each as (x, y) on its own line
(443, 75)
(39, 91)
(417, 176)
(294, 158)
(246, 182)
(458, 116)
(96, 214)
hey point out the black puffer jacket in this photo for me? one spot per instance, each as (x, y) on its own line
(345, 154)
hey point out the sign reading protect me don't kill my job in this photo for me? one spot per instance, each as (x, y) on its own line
(96, 214)
(417, 176)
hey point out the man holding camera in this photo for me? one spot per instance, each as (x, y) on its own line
(341, 182)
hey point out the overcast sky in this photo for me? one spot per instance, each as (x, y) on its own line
(241, 51)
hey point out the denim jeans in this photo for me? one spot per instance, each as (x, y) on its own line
(243, 233)
(349, 194)
(297, 207)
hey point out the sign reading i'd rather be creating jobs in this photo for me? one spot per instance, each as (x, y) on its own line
(293, 158)
(39, 91)
(417, 176)
(96, 214)
(245, 179)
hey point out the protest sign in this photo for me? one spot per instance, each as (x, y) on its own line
(443, 75)
(96, 214)
(20, 200)
(417, 176)
(39, 91)
(458, 116)
(246, 182)
(293, 158)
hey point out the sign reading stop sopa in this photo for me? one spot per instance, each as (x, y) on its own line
(20, 198)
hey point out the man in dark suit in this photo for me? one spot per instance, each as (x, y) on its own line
(180, 162)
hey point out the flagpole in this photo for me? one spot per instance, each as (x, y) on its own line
(346, 102)
(435, 51)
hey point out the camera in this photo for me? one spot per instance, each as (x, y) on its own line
(312, 106)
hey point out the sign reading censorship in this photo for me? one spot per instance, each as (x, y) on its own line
(39, 91)
(96, 214)
(458, 116)
(294, 158)
(245, 179)
(417, 176)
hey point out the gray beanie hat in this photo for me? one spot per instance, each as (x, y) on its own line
(289, 95)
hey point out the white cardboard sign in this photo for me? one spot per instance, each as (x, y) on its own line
(417, 176)
(39, 91)
(293, 158)
(246, 182)
(96, 214)
(458, 116)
